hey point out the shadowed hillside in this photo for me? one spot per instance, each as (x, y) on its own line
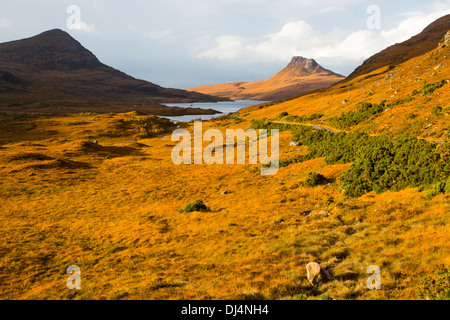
(54, 72)
(398, 53)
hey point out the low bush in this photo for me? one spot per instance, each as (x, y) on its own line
(76, 123)
(400, 101)
(437, 111)
(437, 189)
(365, 112)
(326, 296)
(429, 88)
(314, 179)
(283, 114)
(435, 287)
(196, 206)
(379, 164)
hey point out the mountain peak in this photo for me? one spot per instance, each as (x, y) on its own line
(301, 67)
(55, 35)
(305, 62)
(53, 67)
(53, 32)
(301, 75)
(51, 50)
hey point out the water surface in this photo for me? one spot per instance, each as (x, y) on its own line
(223, 107)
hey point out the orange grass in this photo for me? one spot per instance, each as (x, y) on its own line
(113, 211)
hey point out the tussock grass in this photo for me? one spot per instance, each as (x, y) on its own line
(118, 220)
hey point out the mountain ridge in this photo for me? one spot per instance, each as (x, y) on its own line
(404, 98)
(301, 75)
(52, 68)
(398, 53)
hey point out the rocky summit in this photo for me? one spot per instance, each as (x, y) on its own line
(301, 75)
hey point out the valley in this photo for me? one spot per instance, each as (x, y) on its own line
(363, 180)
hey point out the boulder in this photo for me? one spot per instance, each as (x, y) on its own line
(316, 272)
(446, 39)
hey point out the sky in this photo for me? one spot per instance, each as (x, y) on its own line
(188, 43)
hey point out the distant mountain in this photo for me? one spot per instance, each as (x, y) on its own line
(301, 75)
(398, 53)
(396, 98)
(54, 71)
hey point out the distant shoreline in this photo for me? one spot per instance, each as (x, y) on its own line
(223, 107)
(155, 109)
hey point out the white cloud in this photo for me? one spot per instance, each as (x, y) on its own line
(131, 26)
(5, 23)
(228, 47)
(89, 28)
(336, 47)
(159, 34)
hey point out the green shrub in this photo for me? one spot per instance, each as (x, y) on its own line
(255, 170)
(379, 163)
(232, 116)
(19, 117)
(296, 159)
(75, 123)
(365, 112)
(314, 179)
(326, 296)
(436, 287)
(393, 164)
(447, 186)
(196, 206)
(283, 114)
(290, 118)
(400, 101)
(315, 116)
(437, 111)
(262, 124)
(429, 88)
(436, 190)
(304, 119)
(301, 296)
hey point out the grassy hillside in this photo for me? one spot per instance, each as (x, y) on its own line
(415, 97)
(114, 209)
(100, 191)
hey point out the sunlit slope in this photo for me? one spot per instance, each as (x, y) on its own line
(415, 93)
(300, 75)
(112, 208)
